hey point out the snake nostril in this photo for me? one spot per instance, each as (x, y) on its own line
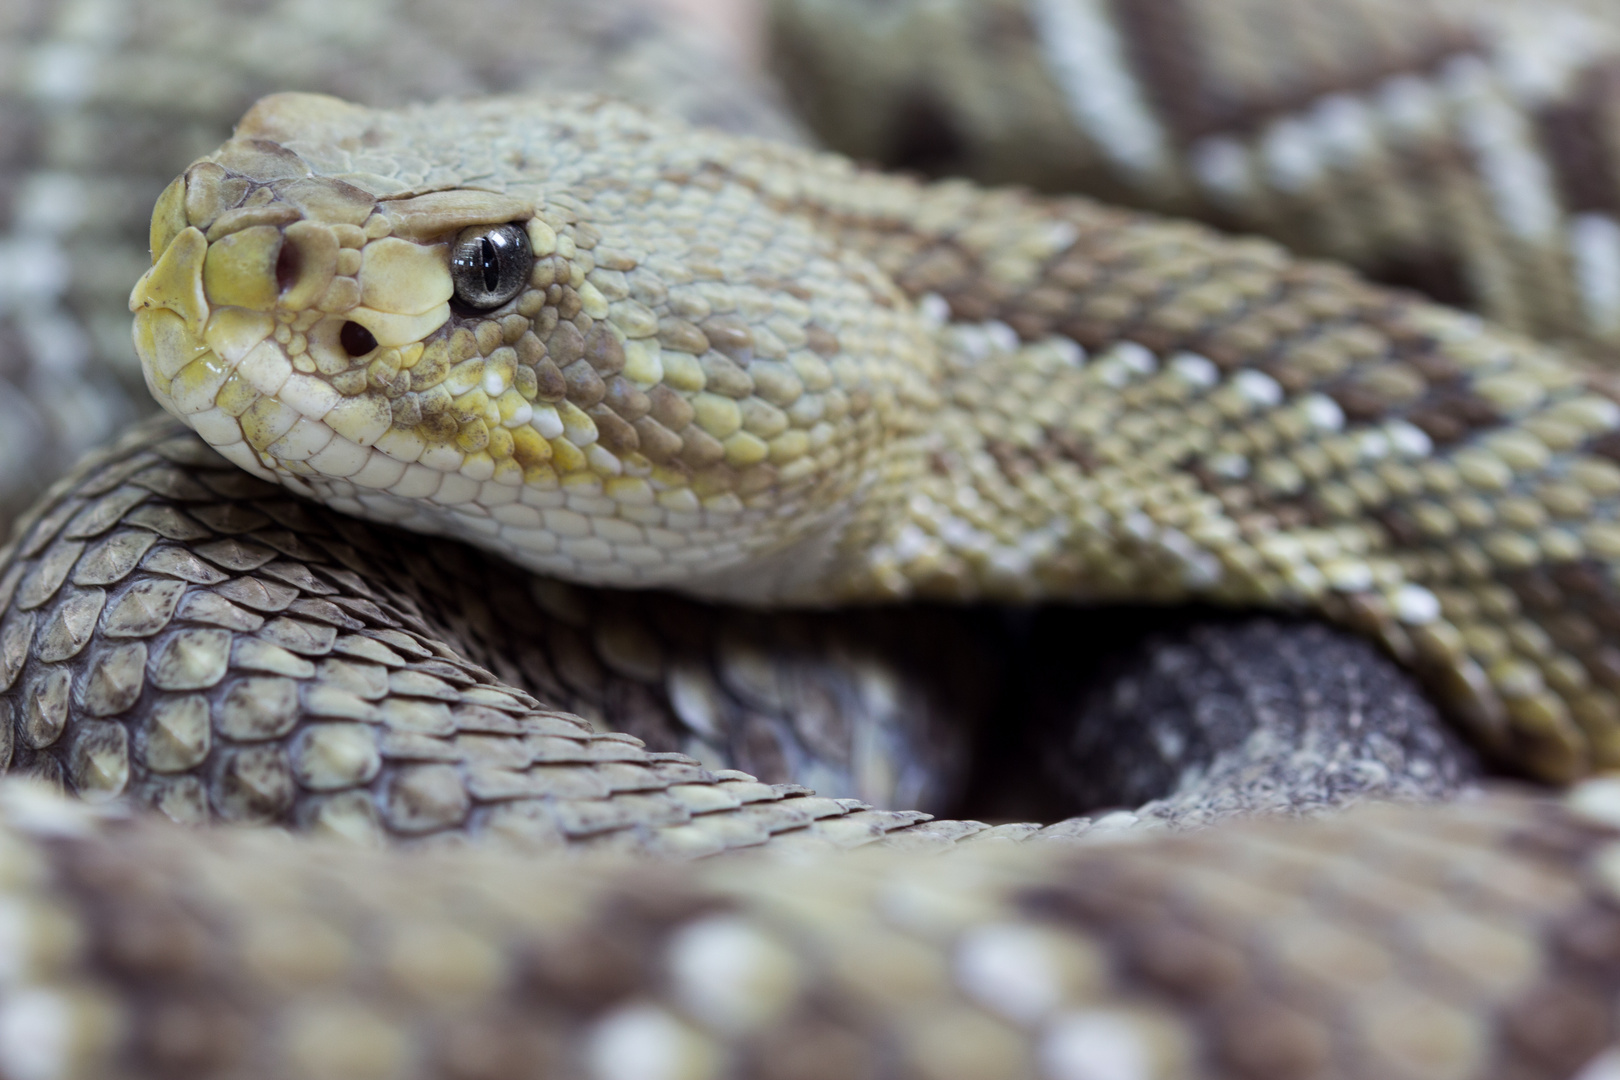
(289, 264)
(356, 339)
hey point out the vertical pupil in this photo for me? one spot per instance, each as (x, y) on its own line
(492, 263)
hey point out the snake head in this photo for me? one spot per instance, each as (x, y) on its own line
(523, 324)
(286, 307)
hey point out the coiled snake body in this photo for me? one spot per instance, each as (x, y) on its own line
(624, 351)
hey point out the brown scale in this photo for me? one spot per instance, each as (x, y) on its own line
(1162, 36)
(1575, 136)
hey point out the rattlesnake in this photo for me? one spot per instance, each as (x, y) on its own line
(178, 628)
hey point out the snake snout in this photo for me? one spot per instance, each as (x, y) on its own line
(279, 307)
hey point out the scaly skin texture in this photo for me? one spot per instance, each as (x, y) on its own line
(182, 635)
(1465, 148)
(1175, 728)
(1475, 940)
(759, 373)
(1469, 941)
(176, 632)
(91, 133)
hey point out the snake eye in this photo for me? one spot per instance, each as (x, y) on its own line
(490, 264)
